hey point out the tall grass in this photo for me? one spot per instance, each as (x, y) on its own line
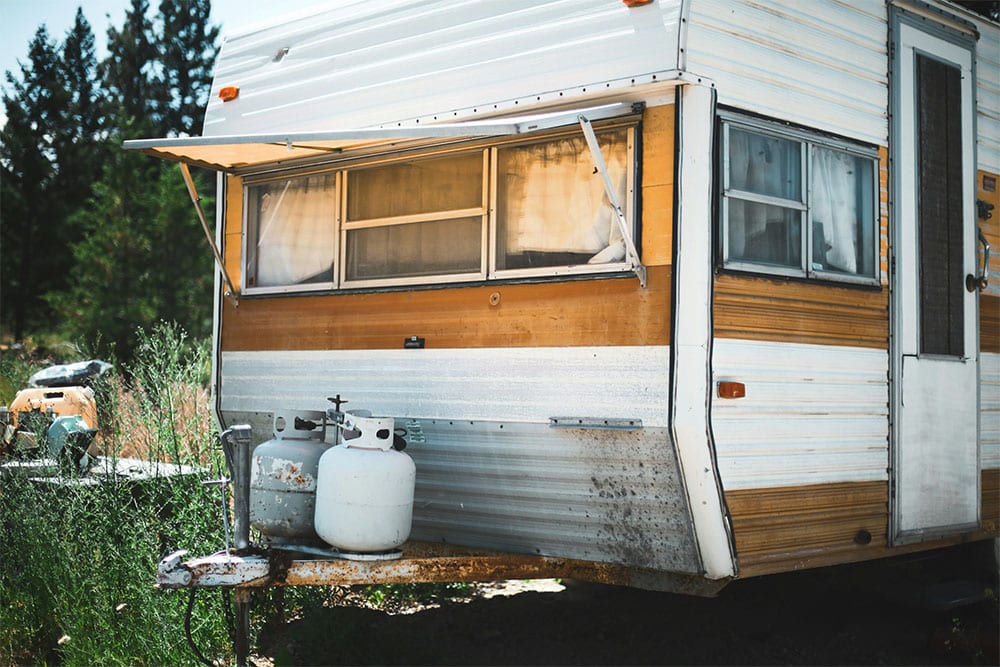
(78, 562)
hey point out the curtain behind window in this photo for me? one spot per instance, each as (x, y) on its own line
(293, 223)
(551, 200)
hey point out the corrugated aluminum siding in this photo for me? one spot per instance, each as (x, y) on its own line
(499, 384)
(819, 64)
(812, 414)
(600, 495)
(373, 62)
(491, 471)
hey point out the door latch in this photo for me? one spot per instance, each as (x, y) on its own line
(972, 282)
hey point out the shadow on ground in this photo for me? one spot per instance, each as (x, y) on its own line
(865, 614)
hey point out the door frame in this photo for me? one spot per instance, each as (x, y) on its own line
(919, 28)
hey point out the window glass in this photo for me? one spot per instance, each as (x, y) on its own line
(841, 205)
(765, 233)
(552, 209)
(412, 188)
(292, 228)
(415, 249)
(773, 223)
(765, 165)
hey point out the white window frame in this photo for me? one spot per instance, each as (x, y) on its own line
(481, 211)
(808, 142)
(488, 258)
(245, 287)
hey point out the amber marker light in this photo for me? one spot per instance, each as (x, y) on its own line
(728, 389)
(229, 93)
(635, 3)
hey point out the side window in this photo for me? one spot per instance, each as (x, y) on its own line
(552, 209)
(291, 232)
(416, 219)
(513, 208)
(796, 204)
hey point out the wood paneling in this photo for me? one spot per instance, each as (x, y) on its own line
(989, 323)
(796, 311)
(792, 528)
(778, 529)
(657, 184)
(614, 311)
(991, 501)
(988, 189)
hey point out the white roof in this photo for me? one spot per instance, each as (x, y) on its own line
(368, 63)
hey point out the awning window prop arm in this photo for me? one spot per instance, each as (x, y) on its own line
(231, 291)
(609, 190)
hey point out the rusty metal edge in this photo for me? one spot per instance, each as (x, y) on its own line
(435, 565)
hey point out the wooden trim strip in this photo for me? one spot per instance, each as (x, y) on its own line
(611, 311)
(778, 310)
(792, 528)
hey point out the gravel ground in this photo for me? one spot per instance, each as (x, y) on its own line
(877, 613)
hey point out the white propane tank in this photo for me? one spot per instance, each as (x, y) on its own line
(364, 492)
(283, 478)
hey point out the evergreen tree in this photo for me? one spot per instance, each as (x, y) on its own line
(128, 73)
(108, 237)
(188, 50)
(34, 242)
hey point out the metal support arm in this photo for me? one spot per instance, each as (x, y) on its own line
(609, 190)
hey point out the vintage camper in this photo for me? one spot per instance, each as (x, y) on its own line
(664, 293)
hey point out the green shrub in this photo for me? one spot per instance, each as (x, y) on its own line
(78, 561)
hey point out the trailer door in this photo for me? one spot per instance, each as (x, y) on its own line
(935, 471)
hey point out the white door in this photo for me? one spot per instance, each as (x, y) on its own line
(935, 466)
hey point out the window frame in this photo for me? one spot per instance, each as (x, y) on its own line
(340, 226)
(808, 142)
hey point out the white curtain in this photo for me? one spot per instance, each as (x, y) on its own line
(835, 210)
(554, 200)
(295, 231)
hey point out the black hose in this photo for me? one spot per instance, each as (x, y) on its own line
(187, 631)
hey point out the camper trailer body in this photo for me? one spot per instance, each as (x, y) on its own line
(427, 207)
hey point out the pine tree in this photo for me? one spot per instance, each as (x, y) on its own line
(129, 72)
(188, 49)
(35, 250)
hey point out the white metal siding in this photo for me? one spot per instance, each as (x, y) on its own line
(989, 405)
(601, 495)
(491, 471)
(373, 62)
(988, 94)
(812, 414)
(820, 64)
(500, 384)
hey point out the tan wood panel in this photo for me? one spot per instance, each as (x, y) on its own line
(991, 500)
(791, 528)
(796, 311)
(657, 184)
(989, 323)
(988, 189)
(613, 311)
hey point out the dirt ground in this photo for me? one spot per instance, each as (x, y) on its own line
(879, 613)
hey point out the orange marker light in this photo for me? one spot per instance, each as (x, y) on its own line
(635, 3)
(728, 389)
(229, 93)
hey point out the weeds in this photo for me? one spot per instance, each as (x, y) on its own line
(78, 560)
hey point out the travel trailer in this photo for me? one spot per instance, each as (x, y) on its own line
(664, 293)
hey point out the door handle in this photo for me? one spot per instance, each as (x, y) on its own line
(972, 283)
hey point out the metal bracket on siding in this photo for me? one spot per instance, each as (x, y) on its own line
(609, 190)
(610, 423)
